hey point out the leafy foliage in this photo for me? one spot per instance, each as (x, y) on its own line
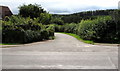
(32, 11)
(25, 30)
(98, 26)
(77, 17)
(56, 20)
(69, 28)
(102, 29)
(44, 18)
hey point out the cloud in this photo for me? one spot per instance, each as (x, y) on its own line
(64, 6)
(119, 5)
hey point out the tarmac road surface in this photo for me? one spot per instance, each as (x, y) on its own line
(65, 52)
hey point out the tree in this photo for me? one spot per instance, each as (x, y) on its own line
(57, 21)
(45, 18)
(32, 11)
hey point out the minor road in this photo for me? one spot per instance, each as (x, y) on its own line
(65, 52)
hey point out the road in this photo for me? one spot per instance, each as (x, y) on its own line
(65, 52)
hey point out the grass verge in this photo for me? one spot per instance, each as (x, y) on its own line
(78, 37)
(8, 44)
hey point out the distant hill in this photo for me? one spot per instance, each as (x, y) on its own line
(77, 17)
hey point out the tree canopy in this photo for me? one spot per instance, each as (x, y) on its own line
(30, 10)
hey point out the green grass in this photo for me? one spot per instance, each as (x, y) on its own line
(78, 37)
(8, 43)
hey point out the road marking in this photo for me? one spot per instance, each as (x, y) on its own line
(86, 46)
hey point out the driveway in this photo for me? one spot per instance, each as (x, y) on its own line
(65, 52)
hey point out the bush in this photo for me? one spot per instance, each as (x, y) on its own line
(86, 30)
(57, 21)
(69, 28)
(32, 36)
(51, 30)
(30, 10)
(25, 30)
(59, 28)
(44, 18)
(14, 35)
(102, 29)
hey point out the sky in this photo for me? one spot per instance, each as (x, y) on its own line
(63, 6)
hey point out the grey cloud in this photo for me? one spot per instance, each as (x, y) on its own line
(57, 7)
(72, 10)
(119, 5)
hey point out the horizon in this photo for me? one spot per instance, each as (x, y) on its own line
(63, 7)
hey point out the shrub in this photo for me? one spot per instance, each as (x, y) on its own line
(25, 30)
(102, 29)
(51, 30)
(32, 36)
(85, 29)
(15, 35)
(44, 18)
(30, 10)
(59, 28)
(57, 21)
(69, 28)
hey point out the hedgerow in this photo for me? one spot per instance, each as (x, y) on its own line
(25, 30)
(102, 29)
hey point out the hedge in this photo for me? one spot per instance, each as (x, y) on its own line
(102, 29)
(69, 28)
(26, 36)
(25, 31)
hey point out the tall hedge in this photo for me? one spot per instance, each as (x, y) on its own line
(102, 29)
(25, 30)
(69, 28)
